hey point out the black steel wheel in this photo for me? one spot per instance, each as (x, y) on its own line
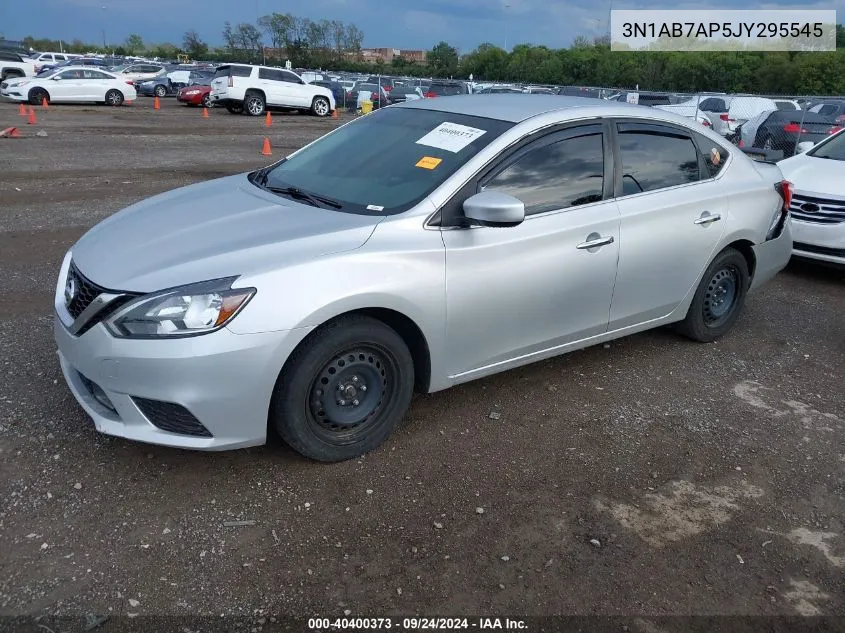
(344, 390)
(719, 299)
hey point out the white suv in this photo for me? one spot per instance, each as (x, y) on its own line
(254, 89)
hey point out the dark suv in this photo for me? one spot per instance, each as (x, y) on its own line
(441, 88)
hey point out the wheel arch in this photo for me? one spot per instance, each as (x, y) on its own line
(257, 91)
(408, 330)
(36, 89)
(744, 246)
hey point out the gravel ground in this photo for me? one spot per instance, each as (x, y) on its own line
(652, 476)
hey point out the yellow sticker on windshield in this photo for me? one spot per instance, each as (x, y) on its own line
(429, 162)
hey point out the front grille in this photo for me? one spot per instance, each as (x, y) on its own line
(86, 291)
(817, 210)
(819, 250)
(171, 417)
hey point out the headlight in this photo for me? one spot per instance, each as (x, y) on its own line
(183, 311)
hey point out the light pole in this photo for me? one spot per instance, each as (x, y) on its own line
(507, 6)
(105, 46)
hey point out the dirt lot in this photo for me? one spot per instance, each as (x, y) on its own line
(652, 477)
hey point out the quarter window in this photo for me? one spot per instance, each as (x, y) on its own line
(559, 175)
(713, 153)
(290, 77)
(654, 159)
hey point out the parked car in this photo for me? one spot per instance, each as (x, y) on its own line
(72, 84)
(818, 204)
(158, 87)
(783, 130)
(310, 296)
(13, 65)
(688, 110)
(832, 108)
(728, 112)
(197, 95)
(43, 59)
(644, 98)
(254, 89)
(787, 104)
(337, 90)
(78, 61)
(400, 94)
(385, 82)
(140, 72)
(367, 92)
(446, 88)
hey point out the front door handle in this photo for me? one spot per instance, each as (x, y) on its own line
(706, 218)
(594, 240)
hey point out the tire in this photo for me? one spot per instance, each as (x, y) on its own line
(321, 107)
(235, 109)
(206, 101)
(37, 96)
(358, 358)
(719, 299)
(254, 104)
(160, 90)
(114, 98)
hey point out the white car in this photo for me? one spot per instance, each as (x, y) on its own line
(253, 89)
(70, 84)
(818, 204)
(688, 110)
(13, 65)
(140, 72)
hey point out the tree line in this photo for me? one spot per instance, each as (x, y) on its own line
(334, 44)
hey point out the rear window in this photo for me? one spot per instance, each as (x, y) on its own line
(10, 57)
(386, 162)
(785, 105)
(233, 71)
(446, 89)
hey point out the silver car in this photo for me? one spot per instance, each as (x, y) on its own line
(419, 247)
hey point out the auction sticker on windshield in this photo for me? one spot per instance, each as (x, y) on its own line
(429, 162)
(451, 137)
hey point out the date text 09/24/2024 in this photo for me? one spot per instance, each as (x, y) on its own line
(416, 624)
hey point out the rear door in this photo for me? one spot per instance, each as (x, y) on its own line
(673, 214)
(97, 84)
(271, 81)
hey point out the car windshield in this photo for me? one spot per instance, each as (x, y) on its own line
(834, 149)
(385, 162)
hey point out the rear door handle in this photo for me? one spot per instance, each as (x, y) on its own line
(706, 218)
(594, 240)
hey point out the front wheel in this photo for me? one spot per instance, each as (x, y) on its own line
(343, 390)
(321, 107)
(719, 299)
(114, 98)
(38, 95)
(160, 91)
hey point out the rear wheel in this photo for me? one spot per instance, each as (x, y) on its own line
(254, 104)
(235, 109)
(114, 98)
(320, 106)
(206, 100)
(719, 298)
(37, 96)
(344, 390)
(160, 90)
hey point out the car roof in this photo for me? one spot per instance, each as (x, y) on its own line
(519, 107)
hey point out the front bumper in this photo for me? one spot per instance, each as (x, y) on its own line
(224, 380)
(13, 93)
(772, 256)
(821, 242)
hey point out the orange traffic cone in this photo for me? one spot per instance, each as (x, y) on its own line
(205, 113)
(265, 151)
(127, 102)
(10, 132)
(22, 110)
(268, 120)
(334, 114)
(31, 120)
(44, 102)
(156, 104)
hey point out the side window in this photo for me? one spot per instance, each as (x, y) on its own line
(828, 109)
(94, 74)
(270, 74)
(815, 108)
(240, 71)
(713, 105)
(655, 159)
(713, 154)
(72, 74)
(564, 174)
(290, 77)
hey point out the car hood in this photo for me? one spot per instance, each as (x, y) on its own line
(817, 175)
(215, 229)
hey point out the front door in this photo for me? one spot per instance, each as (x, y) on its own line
(513, 293)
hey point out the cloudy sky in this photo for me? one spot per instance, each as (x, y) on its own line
(388, 23)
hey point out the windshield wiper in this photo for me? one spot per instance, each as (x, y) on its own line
(313, 199)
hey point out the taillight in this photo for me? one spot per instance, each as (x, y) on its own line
(430, 95)
(784, 188)
(387, 88)
(726, 117)
(834, 130)
(794, 128)
(840, 118)
(131, 83)
(741, 144)
(705, 123)
(231, 81)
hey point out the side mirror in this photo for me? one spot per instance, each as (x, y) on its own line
(494, 208)
(803, 146)
(57, 78)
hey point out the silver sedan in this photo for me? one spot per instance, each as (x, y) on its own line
(419, 247)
